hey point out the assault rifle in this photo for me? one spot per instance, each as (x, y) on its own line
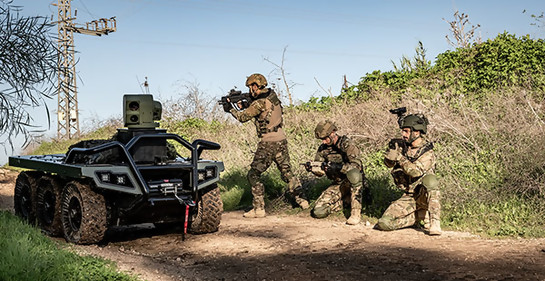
(400, 112)
(331, 169)
(400, 143)
(237, 99)
(314, 164)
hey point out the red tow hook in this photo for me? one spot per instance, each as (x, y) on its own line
(186, 219)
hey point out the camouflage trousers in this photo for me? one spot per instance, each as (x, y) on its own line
(411, 209)
(339, 195)
(266, 153)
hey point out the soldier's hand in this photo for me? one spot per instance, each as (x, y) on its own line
(333, 167)
(393, 154)
(227, 107)
(317, 171)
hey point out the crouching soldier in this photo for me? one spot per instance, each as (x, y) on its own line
(340, 162)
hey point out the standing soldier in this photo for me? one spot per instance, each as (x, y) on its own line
(266, 111)
(413, 163)
(341, 163)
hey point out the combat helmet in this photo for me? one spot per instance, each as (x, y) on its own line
(417, 122)
(258, 79)
(324, 129)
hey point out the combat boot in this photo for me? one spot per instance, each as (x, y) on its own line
(255, 213)
(355, 213)
(435, 227)
(303, 203)
(423, 219)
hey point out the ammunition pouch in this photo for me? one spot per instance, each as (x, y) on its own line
(261, 126)
(400, 179)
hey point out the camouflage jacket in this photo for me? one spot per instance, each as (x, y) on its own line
(345, 152)
(416, 162)
(266, 111)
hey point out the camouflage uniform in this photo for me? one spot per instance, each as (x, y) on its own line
(414, 173)
(348, 177)
(266, 111)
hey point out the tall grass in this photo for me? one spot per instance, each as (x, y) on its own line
(29, 255)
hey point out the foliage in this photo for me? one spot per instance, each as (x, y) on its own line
(538, 20)
(29, 255)
(480, 68)
(188, 128)
(28, 60)
(502, 62)
(418, 64)
(191, 102)
(462, 36)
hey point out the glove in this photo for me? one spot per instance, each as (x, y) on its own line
(394, 154)
(333, 167)
(317, 171)
(227, 107)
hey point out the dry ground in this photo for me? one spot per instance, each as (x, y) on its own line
(297, 247)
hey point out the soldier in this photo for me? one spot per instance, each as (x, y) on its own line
(342, 164)
(266, 111)
(413, 163)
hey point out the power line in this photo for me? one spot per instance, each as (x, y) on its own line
(87, 10)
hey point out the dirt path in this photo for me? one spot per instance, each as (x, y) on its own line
(297, 247)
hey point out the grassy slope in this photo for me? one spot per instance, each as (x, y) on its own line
(29, 255)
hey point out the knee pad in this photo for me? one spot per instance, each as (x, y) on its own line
(321, 212)
(385, 223)
(430, 182)
(354, 176)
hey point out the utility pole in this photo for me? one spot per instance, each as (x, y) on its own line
(67, 110)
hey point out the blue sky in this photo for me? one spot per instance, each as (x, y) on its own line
(218, 43)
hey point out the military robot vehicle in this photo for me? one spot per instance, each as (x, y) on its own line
(141, 175)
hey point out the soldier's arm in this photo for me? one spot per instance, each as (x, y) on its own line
(417, 168)
(319, 156)
(389, 163)
(249, 113)
(390, 149)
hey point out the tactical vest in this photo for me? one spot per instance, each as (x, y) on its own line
(262, 122)
(334, 154)
(401, 179)
(425, 148)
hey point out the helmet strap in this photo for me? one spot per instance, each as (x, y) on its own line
(412, 138)
(332, 139)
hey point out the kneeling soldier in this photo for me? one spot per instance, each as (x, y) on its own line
(413, 163)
